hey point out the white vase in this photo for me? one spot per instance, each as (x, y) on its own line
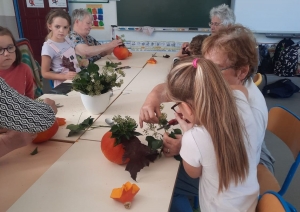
(95, 104)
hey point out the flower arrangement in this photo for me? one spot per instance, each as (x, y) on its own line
(90, 81)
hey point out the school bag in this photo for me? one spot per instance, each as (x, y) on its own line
(284, 43)
(283, 88)
(265, 61)
(287, 63)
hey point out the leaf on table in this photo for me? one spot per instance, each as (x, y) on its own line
(139, 155)
(34, 152)
(76, 128)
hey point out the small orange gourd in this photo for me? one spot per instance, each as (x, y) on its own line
(46, 135)
(112, 153)
(121, 52)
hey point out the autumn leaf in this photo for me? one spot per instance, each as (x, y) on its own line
(139, 155)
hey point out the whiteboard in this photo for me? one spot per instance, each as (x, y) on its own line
(269, 16)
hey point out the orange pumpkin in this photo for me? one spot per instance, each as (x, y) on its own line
(112, 153)
(46, 135)
(121, 52)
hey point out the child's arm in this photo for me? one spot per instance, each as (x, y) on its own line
(46, 73)
(29, 92)
(193, 172)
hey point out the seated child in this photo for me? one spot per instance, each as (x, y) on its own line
(15, 73)
(59, 62)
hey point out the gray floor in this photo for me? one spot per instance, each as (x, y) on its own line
(281, 152)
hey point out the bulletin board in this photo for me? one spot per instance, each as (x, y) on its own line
(97, 12)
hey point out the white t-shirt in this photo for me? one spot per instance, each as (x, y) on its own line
(260, 112)
(197, 150)
(56, 61)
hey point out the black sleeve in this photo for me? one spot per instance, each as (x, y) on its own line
(18, 112)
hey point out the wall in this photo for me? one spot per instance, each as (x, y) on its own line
(7, 17)
(110, 18)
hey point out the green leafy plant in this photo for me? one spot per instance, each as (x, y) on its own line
(76, 128)
(90, 81)
(139, 154)
(155, 138)
(35, 151)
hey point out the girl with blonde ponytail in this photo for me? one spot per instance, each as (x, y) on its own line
(219, 144)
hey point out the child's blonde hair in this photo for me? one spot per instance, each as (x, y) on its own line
(209, 96)
(54, 13)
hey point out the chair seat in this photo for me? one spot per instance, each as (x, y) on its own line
(266, 180)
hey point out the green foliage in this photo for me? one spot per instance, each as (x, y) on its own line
(76, 128)
(90, 82)
(123, 129)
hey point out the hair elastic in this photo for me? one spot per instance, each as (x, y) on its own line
(195, 62)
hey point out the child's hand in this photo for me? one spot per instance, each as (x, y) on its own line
(83, 63)
(70, 75)
(184, 124)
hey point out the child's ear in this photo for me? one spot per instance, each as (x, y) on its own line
(49, 26)
(243, 72)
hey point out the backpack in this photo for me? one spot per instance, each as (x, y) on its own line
(283, 88)
(287, 63)
(265, 61)
(284, 43)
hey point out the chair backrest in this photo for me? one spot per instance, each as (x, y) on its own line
(272, 202)
(286, 126)
(257, 79)
(27, 58)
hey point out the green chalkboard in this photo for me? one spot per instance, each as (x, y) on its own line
(166, 13)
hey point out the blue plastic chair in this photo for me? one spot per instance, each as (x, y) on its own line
(286, 126)
(272, 201)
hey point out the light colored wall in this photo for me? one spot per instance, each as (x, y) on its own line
(7, 17)
(110, 18)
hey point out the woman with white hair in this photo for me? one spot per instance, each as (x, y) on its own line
(220, 16)
(85, 45)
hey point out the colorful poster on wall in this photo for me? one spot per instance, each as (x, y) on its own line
(57, 3)
(35, 3)
(97, 12)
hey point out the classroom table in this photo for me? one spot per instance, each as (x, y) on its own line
(82, 180)
(19, 170)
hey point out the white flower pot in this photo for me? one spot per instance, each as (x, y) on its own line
(95, 104)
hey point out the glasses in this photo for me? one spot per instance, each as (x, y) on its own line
(214, 24)
(10, 49)
(223, 69)
(173, 107)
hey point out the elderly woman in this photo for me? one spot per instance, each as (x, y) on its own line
(85, 45)
(220, 17)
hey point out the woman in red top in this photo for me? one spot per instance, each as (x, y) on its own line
(15, 73)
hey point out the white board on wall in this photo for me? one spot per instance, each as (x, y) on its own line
(269, 16)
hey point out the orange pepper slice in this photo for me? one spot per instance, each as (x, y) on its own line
(152, 61)
(125, 194)
(61, 121)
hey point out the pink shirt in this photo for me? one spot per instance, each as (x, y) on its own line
(19, 78)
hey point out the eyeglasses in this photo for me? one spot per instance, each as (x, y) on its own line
(223, 69)
(173, 107)
(10, 49)
(214, 24)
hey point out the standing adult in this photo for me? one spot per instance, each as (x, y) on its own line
(85, 45)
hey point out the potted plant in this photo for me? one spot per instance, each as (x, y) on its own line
(95, 86)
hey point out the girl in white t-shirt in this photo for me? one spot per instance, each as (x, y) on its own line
(59, 62)
(219, 144)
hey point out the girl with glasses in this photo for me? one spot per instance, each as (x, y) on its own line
(15, 73)
(219, 144)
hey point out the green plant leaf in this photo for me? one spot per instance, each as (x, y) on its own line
(76, 128)
(34, 152)
(177, 131)
(154, 143)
